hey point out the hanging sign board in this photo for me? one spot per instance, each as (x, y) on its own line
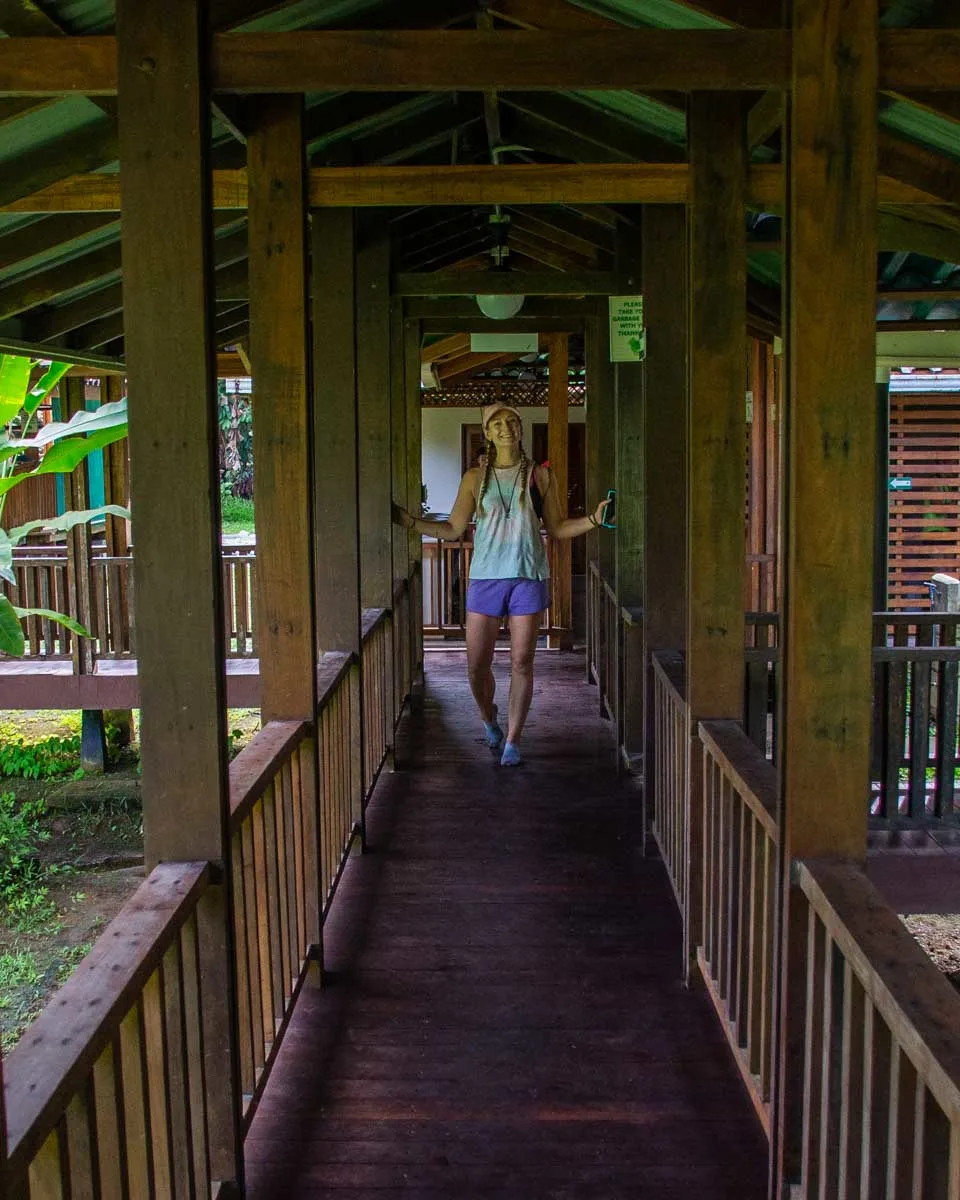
(628, 339)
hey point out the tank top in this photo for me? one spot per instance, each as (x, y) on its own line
(507, 543)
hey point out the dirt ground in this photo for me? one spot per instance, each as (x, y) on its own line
(93, 862)
(939, 936)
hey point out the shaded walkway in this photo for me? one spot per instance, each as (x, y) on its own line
(504, 1017)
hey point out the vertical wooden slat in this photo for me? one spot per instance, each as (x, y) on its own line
(831, 449)
(412, 339)
(716, 434)
(111, 1143)
(195, 1058)
(852, 1086)
(156, 1063)
(166, 239)
(136, 1123)
(177, 1066)
(76, 488)
(81, 1146)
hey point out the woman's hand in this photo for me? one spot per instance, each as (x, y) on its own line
(401, 517)
(600, 514)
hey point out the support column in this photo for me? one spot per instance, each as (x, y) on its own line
(168, 318)
(831, 446)
(558, 445)
(630, 482)
(336, 463)
(881, 519)
(375, 434)
(116, 479)
(282, 411)
(400, 538)
(717, 449)
(282, 447)
(599, 456)
(665, 583)
(412, 338)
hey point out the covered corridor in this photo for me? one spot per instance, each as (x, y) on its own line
(506, 1016)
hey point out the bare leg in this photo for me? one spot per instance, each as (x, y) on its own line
(524, 631)
(481, 641)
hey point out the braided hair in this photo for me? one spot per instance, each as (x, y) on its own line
(491, 454)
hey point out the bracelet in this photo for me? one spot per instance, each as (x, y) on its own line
(593, 520)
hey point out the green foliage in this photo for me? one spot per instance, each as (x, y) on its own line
(45, 759)
(59, 447)
(236, 514)
(23, 893)
(235, 417)
(18, 968)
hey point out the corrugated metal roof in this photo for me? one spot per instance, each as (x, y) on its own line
(660, 14)
(310, 12)
(61, 254)
(920, 125)
(48, 124)
(82, 16)
(648, 115)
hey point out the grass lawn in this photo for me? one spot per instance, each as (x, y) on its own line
(236, 516)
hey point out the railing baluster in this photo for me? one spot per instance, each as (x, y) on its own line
(108, 1118)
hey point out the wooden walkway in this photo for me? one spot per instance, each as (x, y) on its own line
(504, 1016)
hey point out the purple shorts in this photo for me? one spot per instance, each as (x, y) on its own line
(507, 597)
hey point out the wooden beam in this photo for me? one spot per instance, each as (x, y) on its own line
(512, 283)
(831, 466)
(164, 141)
(95, 364)
(911, 164)
(514, 184)
(20, 246)
(717, 439)
(431, 60)
(283, 413)
(441, 60)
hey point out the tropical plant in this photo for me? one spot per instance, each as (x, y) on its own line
(59, 447)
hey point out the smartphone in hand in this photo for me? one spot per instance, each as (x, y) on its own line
(610, 514)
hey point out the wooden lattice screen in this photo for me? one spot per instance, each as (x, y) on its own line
(924, 524)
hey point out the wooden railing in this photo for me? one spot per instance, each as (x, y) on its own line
(106, 1095)
(741, 852)
(881, 1077)
(446, 568)
(376, 656)
(604, 621)
(341, 784)
(402, 646)
(762, 680)
(916, 660)
(43, 582)
(275, 855)
(669, 816)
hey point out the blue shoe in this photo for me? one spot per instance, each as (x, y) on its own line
(511, 756)
(493, 732)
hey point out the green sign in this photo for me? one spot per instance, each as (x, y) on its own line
(628, 339)
(900, 484)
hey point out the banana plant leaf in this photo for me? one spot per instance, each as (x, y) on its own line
(66, 522)
(14, 383)
(12, 640)
(69, 442)
(44, 386)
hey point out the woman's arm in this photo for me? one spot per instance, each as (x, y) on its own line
(451, 529)
(558, 526)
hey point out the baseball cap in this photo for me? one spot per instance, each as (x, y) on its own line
(490, 411)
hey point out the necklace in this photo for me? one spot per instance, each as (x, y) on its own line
(508, 504)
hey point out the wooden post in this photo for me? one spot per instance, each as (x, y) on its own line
(630, 482)
(881, 522)
(717, 435)
(412, 338)
(116, 475)
(282, 447)
(831, 453)
(400, 540)
(558, 449)
(375, 434)
(665, 584)
(282, 414)
(168, 318)
(599, 449)
(335, 449)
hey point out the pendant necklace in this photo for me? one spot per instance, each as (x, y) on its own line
(508, 505)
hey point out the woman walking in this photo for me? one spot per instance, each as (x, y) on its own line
(509, 575)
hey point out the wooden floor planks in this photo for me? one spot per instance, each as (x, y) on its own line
(504, 1016)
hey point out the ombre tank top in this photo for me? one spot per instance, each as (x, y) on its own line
(507, 543)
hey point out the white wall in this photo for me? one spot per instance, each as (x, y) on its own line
(441, 447)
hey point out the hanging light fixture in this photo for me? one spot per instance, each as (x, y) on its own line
(500, 306)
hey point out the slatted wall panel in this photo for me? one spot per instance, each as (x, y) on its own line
(925, 518)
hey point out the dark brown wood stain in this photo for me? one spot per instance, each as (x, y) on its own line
(504, 1015)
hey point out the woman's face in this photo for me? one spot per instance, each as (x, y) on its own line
(503, 429)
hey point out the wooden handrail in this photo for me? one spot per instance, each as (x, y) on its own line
(50, 1063)
(918, 1004)
(255, 767)
(751, 774)
(672, 669)
(334, 664)
(371, 618)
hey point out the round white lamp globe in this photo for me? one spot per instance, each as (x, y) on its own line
(500, 308)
